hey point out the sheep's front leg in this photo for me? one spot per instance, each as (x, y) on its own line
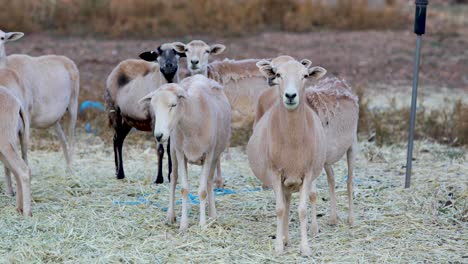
(211, 197)
(208, 169)
(171, 218)
(182, 171)
(280, 211)
(304, 194)
(313, 200)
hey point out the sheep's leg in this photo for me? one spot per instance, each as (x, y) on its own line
(159, 177)
(65, 146)
(169, 160)
(313, 200)
(23, 179)
(211, 196)
(24, 146)
(8, 181)
(72, 114)
(304, 194)
(287, 200)
(182, 172)
(280, 211)
(219, 176)
(171, 218)
(351, 155)
(208, 167)
(331, 186)
(121, 132)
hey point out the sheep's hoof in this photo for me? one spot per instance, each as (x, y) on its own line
(279, 249)
(333, 221)
(120, 175)
(183, 227)
(171, 219)
(286, 242)
(20, 211)
(306, 251)
(351, 220)
(159, 180)
(10, 193)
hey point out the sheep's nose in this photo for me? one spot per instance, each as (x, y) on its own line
(169, 65)
(194, 62)
(290, 96)
(158, 136)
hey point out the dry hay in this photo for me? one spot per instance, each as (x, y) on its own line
(76, 218)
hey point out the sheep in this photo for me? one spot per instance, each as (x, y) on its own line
(129, 81)
(196, 115)
(14, 126)
(287, 148)
(241, 80)
(52, 84)
(338, 109)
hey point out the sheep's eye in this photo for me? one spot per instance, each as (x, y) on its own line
(173, 105)
(3, 38)
(305, 76)
(207, 51)
(278, 75)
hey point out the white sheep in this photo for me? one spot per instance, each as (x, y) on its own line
(287, 148)
(241, 80)
(196, 115)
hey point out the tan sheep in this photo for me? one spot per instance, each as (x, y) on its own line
(128, 82)
(52, 84)
(196, 115)
(337, 107)
(287, 149)
(14, 125)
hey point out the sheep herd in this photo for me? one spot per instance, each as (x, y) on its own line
(300, 126)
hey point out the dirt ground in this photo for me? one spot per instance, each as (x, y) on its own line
(365, 59)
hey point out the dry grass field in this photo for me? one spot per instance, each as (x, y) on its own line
(91, 217)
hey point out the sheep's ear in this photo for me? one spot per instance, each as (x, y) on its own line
(179, 47)
(266, 69)
(12, 36)
(307, 63)
(263, 63)
(217, 49)
(146, 98)
(181, 94)
(316, 72)
(149, 55)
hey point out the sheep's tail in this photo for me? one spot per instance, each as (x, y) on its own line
(110, 109)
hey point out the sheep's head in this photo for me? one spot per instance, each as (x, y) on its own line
(165, 105)
(167, 58)
(9, 36)
(290, 77)
(198, 53)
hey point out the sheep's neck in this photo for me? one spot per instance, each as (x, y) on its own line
(190, 122)
(292, 123)
(3, 58)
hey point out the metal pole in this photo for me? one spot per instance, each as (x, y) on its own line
(419, 29)
(414, 100)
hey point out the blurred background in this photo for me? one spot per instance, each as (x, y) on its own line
(367, 42)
